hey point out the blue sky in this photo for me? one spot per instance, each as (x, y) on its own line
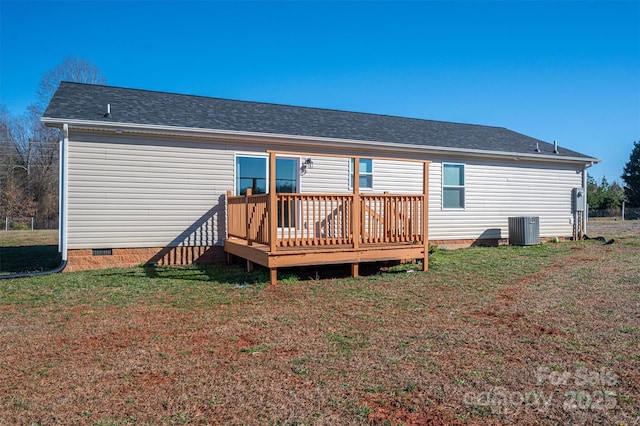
(566, 71)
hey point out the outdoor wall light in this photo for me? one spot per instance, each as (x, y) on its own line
(307, 164)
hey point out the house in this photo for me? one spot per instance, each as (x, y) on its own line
(152, 177)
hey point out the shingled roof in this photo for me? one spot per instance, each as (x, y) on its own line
(86, 102)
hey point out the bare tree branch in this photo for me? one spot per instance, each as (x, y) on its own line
(74, 69)
(29, 150)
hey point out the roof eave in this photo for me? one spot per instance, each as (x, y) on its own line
(310, 141)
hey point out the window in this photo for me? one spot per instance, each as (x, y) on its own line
(251, 172)
(366, 173)
(453, 186)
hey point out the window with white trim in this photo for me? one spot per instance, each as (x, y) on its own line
(366, 173)
(453, 189)
(251, 173)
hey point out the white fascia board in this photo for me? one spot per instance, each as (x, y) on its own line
(307, 141)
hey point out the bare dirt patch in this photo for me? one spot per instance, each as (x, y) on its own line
(543, 335)
(613, 227)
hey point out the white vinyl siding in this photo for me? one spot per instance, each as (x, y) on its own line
(398, 177)
(332, 174)
(143, 192)
(329, 174)
(494, 191)
(146, 193)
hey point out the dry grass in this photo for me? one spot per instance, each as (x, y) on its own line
(541, 335)
(612, 227)
(28, 238)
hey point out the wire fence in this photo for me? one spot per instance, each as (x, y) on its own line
(28, 223)
(627, 213)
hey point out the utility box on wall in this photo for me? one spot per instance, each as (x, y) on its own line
(524, 231)
(578, 200)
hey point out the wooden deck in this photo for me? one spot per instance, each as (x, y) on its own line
(278, 230)
(305, 256)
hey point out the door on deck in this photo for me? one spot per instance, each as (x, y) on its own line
(287, 182)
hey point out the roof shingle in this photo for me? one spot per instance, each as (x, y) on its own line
(76, 101)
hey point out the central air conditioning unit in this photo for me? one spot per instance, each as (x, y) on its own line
(524, 231)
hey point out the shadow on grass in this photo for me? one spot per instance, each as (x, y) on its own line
(343, 270)
(236, 275)
(28, 259)
(213, 273)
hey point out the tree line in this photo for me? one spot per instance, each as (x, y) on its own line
(605, 195)
(29, 151)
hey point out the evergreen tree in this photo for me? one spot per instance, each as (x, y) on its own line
(603, 195)
(594, 195)
(631, 176)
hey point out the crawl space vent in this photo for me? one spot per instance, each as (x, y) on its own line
(101, 252)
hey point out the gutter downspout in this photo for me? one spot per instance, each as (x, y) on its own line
(62, 219)
(64, 197)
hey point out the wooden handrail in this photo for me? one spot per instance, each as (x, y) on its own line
(392, 218)
(327, 219)
(248, 217)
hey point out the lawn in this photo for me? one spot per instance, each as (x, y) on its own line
(508, 335)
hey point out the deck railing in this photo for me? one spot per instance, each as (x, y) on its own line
(327, 219)
(390, 218)
(314, 219)
(248, 217)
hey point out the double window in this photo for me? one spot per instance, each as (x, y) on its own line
(365, 179)
(453, 189)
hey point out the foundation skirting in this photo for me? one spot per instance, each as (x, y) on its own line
(86, 259)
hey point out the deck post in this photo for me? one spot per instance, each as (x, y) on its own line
(425, 214)
(273, 276)
(355, 216)
(247, 226)
(228, 217)
(272, 207)
(387, 215)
